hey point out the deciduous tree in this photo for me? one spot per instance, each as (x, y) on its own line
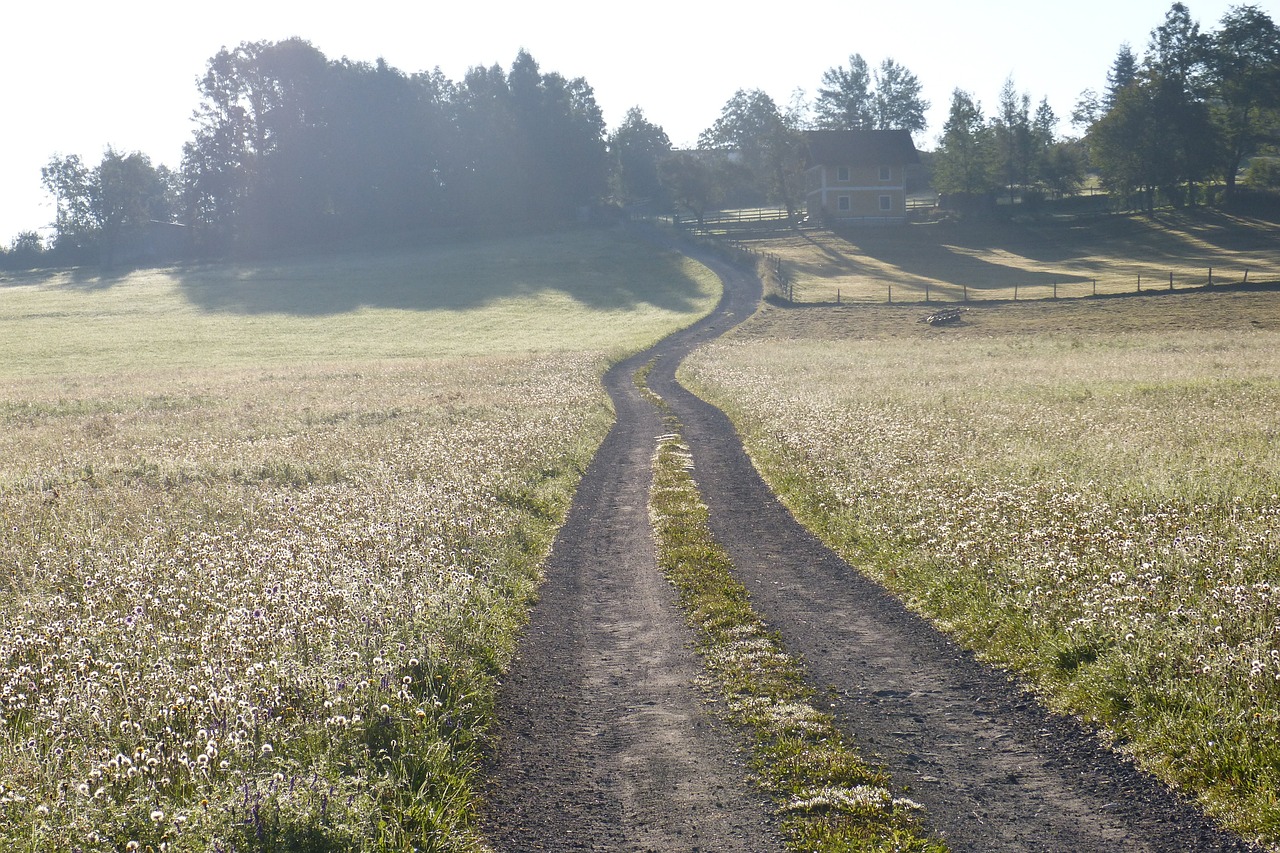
(899, 102)
(752, 126)
(637, 148)
(128, 194)
(845, 100)
(852, 98)
(1244, 78)
(70, 183)
(963, 163)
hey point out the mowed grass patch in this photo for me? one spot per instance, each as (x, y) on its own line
(589, 290)
(1094, 506)
(264, 606)
(945, 261)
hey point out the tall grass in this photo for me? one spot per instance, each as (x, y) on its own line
(263, 606)
(1100, 514)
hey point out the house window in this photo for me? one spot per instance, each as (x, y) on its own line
(886, 173)
(842, 173)
(844, 203)
(886, 202)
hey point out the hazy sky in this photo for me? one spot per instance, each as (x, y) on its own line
(80, 75)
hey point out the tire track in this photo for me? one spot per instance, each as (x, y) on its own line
(993, 769)
(604, 745)
(604, 741)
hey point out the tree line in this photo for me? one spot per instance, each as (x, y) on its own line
(291, 148)
(1192, 110)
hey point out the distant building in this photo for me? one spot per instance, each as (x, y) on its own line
(858, 176)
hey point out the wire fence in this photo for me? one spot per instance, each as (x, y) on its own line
(780, 281)
(1188, 278)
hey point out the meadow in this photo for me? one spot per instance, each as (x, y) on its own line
(268, 531)
(952, 261)
(1086, 493)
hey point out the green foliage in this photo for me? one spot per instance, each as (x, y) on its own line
(1264, 173)
(753, 130)
(108, 209)
(25, 251)
(853, 98)
(899, 103)
(845, 101)
(637, 148)
(1195, 108)
(1015, 150)
(1123, 74)
(964, 162)
(292, 148)
(1244, 70)
(1152, 139)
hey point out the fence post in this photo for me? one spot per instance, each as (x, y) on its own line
(1211, 276)
(1095, 287)
(966, 292)
(1055, 290)
(1015, 291)
(926, 288)
(1246, 275)
(1171, 279)
(891, 294)
(1139, 282)
(837, 296)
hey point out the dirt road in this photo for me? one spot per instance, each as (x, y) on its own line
(605, 744)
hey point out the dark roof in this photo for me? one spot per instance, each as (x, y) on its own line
(860, 147)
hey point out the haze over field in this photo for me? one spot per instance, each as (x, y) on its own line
(124, 76)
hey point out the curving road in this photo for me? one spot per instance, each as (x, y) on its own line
(604, 742)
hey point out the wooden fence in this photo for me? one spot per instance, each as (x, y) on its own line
(1076, 287)
(779, 281)
(727, 221)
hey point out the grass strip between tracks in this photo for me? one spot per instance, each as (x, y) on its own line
(828, 798)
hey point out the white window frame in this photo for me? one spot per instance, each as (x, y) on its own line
(842, 174)
(886, 203)
(844, 203)
(886, 173)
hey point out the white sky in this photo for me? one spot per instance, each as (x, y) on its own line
(79, 75)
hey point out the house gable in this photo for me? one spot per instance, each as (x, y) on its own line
(858, 175)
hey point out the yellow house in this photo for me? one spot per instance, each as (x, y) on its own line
(858, 176)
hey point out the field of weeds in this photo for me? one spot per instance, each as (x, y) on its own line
(949, 262)
(1089, 496)
(266, 539)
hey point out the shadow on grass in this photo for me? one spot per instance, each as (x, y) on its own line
(960, 255)
(87, 278)
(600, 271)
(929, 255)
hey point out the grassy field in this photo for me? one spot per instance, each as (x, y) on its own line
(946, 261)
(268, 532)
(1086, 492)
(544, 294)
